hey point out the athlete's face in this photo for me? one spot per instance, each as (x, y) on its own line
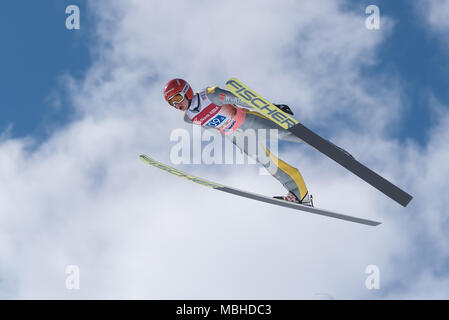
(183, 105)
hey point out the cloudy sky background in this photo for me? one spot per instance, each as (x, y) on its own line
(78, 107)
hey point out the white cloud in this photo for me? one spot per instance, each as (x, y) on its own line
(436, 12)
(83, 197)
(434, 15)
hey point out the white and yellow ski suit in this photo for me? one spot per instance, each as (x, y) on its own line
(215, 108)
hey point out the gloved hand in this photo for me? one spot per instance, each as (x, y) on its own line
(284, 108)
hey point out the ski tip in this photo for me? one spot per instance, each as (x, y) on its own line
(144, 158)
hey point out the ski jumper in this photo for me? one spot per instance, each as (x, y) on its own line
(215, 108)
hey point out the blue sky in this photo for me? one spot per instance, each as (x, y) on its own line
(419, 58)
(37, 50)
(40, 50)
(82, 197)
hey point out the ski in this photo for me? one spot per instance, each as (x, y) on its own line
(254, 196)
(324, 146)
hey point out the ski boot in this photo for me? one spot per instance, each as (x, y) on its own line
(306, 201)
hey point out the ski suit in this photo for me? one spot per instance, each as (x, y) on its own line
(215, 108)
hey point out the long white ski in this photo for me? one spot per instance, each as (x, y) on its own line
(254, 196)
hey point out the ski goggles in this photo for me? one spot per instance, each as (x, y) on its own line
(177, 98)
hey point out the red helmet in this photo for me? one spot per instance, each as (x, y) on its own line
(176, 86)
